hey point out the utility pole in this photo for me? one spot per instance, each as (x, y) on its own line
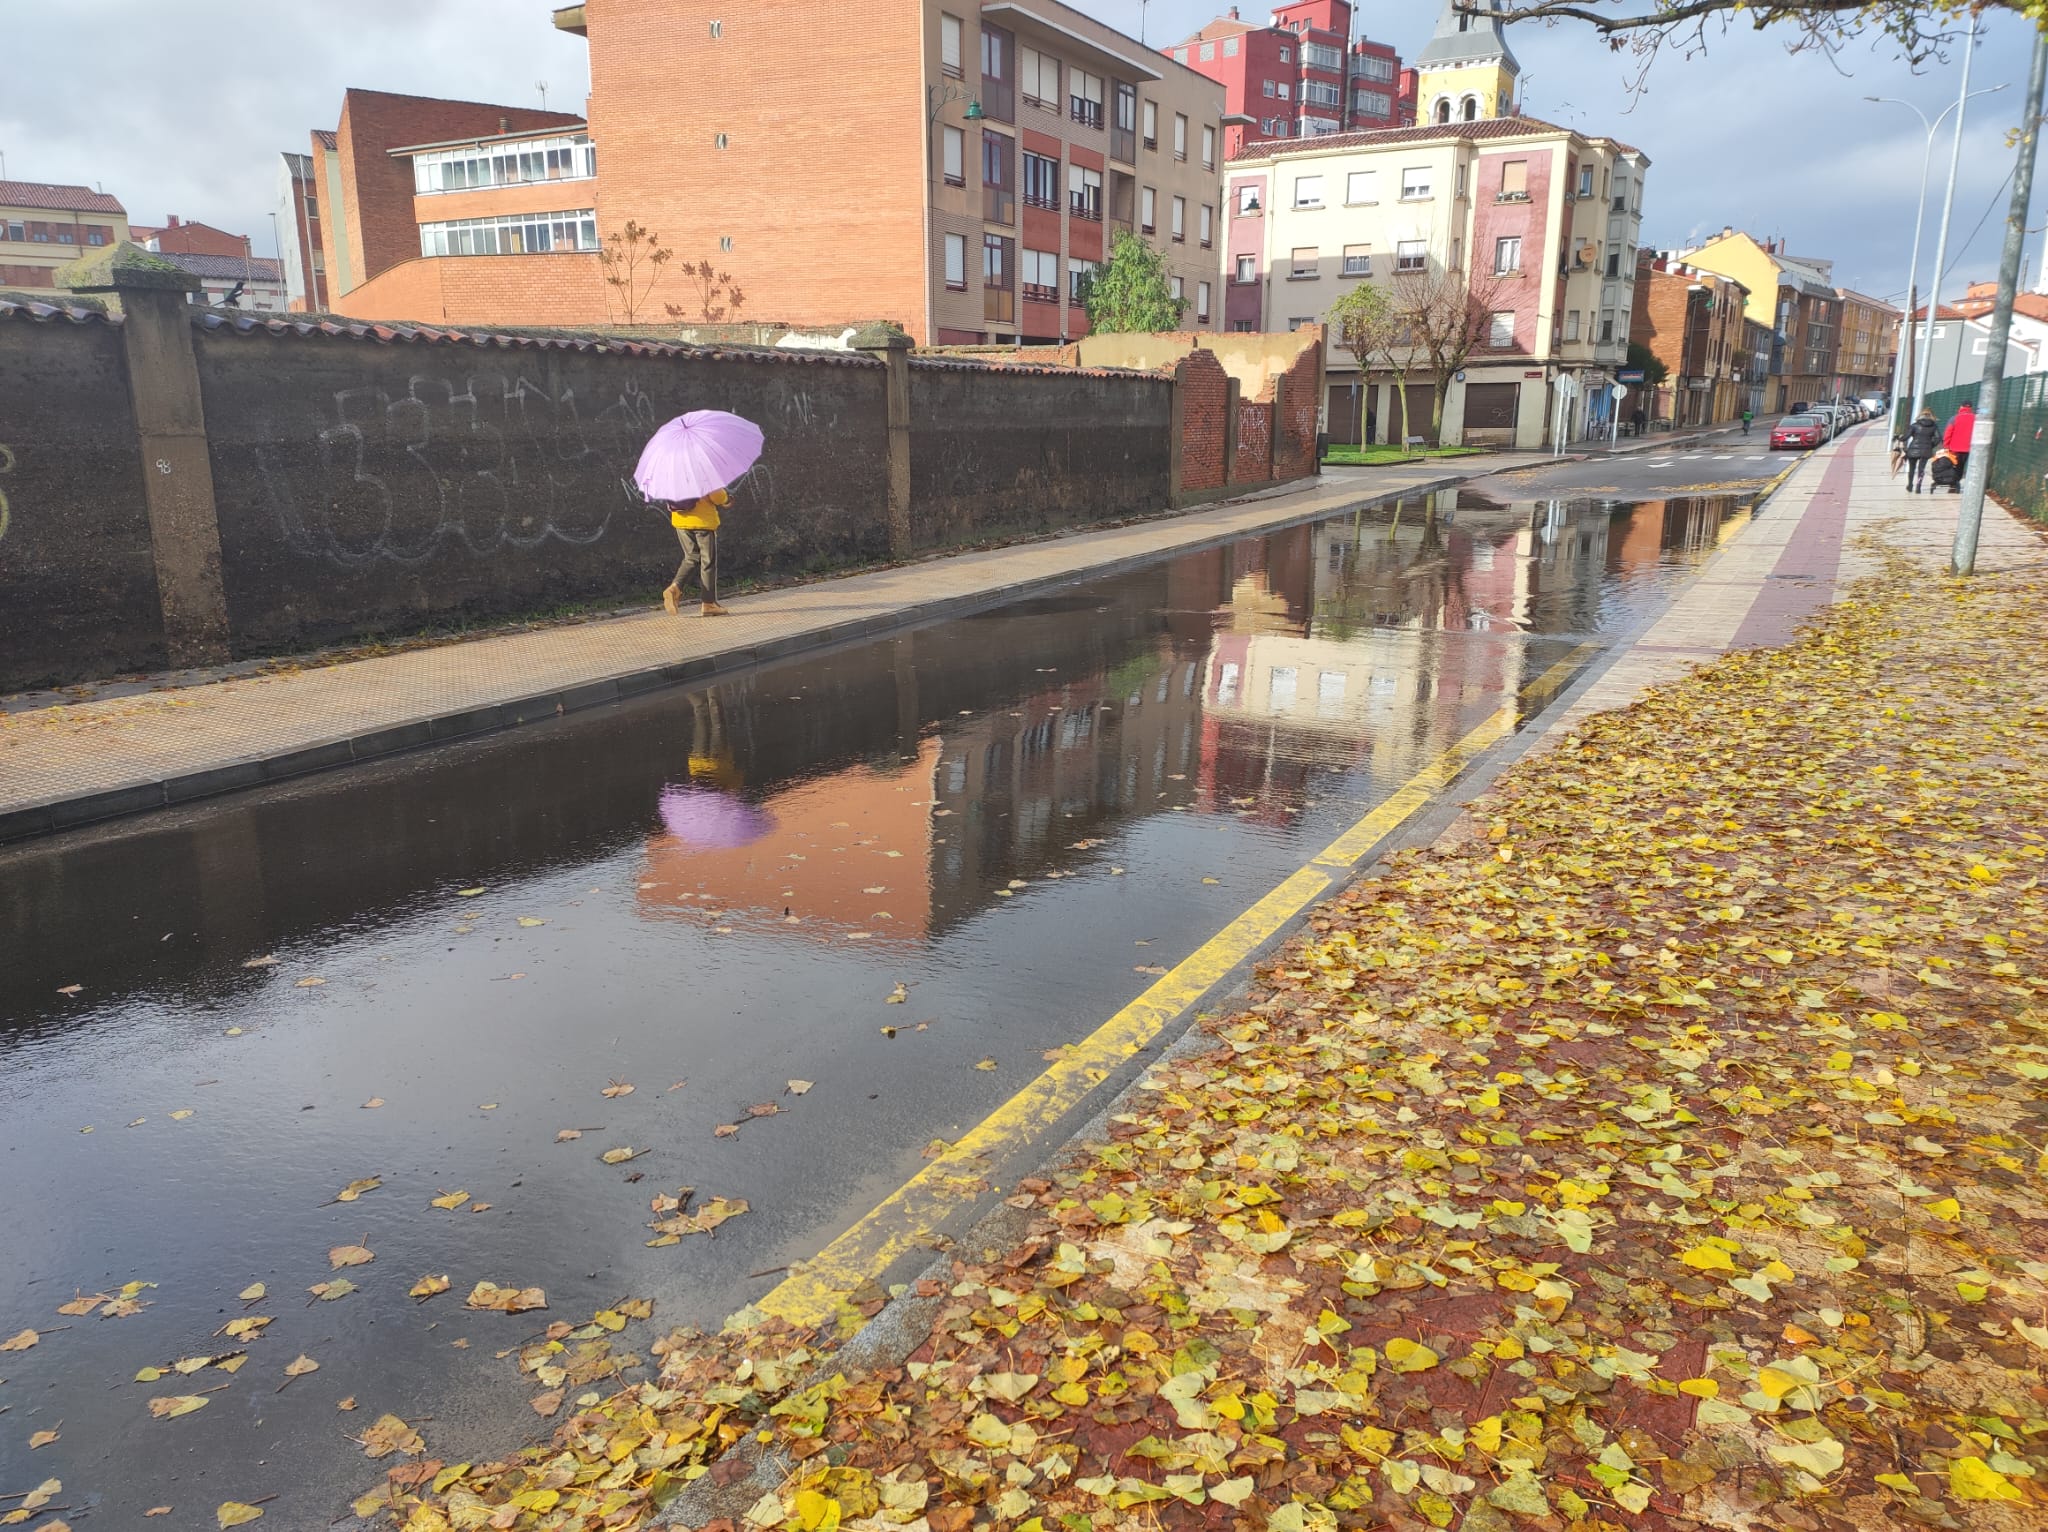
(1983, 439)
(1948, 204)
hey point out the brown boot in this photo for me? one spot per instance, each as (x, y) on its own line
(711, 609)
(669, 599)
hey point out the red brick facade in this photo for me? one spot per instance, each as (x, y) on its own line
(565, 289)
(1294, 443)
(179, 238)
(700, 142)
(377, 190)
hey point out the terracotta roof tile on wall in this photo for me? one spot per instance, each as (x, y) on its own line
(20, 306)
(64, 199)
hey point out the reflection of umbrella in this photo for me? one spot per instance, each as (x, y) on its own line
(696, 453)
(712, 820)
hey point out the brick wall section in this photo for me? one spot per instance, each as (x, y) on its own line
(1294, 439)
(1658, 320)
(827, 123)
(377, 190)
(484, 290)
(1205, 395)
(1254, 463)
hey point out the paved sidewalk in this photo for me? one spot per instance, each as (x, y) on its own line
(63, 766)
(1793, 558)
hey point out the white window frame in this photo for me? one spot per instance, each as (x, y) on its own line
(1033, 67)
(1179, 227)
(1149, 120)
(1507, 254)
(1077, 271)
(1033, 267)
(1180, 135)
(1247, 269)
(1571, 324)
(1411, 255)
(1366, 181)
(1208, 147)
(470, 236)
(1416, 182)
(1297, 271)
(1148, 209)
(1308, 191)
(953, 152)
(1357, 260)
(1500, 330)
(956, 269)
(1205, 225)
(1202, 291)
(952, 35)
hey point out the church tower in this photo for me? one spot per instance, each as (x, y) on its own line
(1467, 72)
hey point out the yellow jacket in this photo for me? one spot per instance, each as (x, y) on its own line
(703, 516)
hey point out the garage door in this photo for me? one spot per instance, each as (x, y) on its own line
(1490, 406)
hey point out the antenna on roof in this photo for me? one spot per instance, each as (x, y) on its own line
(542, 87)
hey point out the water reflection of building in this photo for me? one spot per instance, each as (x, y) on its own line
(1226, 680)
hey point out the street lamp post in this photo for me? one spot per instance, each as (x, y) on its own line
(1919, 217)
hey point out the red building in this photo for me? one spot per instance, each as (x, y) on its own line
(1298, 77)
(174, 237)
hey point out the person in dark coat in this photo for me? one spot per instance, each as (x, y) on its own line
(1922, 436)
(1957, 440)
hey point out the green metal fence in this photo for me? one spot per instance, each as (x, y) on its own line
(2019, 466)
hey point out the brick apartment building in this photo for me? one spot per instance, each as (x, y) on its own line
(44, 226)
(1863, 354)
(406, 177)
(1797, 299)
(972, 216)
(1692, 320)
(1298, 77)
(299, 236)
(176, 236)
(1543, 218)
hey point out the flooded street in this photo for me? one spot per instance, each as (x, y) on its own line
(815, 917)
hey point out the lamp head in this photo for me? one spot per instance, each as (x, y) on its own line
(974, 112)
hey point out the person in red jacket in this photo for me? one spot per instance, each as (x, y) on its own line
(1957, 440)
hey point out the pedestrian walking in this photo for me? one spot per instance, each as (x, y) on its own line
(686, 467)
(1957, 440)
(697, 530)
(1747, 416)
(1920, 440)
(1635, 421)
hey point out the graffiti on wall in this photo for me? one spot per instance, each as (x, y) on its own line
(487, 463)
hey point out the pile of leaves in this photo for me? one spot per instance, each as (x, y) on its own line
(1665, 1150)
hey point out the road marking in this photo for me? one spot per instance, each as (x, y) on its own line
(906, 1217)
(1724, 457)
(1665, 463)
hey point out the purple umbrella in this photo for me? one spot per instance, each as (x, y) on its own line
(696, 453)
(712, 820)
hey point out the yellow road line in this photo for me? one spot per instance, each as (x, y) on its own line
(813, 1291)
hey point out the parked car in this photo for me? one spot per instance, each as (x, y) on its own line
(1802, 430)
(1873, 405)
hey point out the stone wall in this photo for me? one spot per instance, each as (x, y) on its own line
(295, 483)
(78, 593)
(998, 451)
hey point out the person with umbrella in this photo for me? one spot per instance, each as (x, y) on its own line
(686, 467)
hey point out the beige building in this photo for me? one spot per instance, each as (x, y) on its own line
(1863, 357)
(45, 226)
(1051, 132)
(1541, 220)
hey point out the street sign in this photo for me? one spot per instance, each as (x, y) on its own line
(1630, 375)
(1620, 392)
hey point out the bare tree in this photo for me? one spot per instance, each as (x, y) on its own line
(718, 296)
(631, 258)
(1369, 328)
(1444, 317)
(1920, 28)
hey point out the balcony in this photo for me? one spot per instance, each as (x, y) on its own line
(1086, 113)
(1049, 204)
(1088, 209)
(1038, 292)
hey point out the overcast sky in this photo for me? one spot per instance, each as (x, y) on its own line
(189, 108)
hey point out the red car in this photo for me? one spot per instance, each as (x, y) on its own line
(1794, 431)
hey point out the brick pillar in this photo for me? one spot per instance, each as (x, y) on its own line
(1274, 430)
(891, 347)
(177, 478)
(1232, 390)
(1176, 439)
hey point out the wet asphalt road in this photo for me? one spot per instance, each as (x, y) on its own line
(1726, 463)
(706, 895)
